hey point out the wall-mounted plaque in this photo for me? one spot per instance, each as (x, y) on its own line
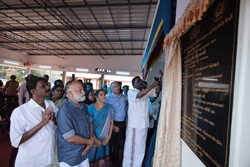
(208, 59)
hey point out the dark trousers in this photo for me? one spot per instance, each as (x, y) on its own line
(150, 134)
(115, 143)
(12, 99)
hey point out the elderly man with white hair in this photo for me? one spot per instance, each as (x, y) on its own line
(73, 132)
(119, 102)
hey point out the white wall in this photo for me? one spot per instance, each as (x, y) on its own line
(240, 135)
(180, 7)
(120, 63)
(188, 158)
(69, 64)
(131, 64)
(159, 65)
(6, 54)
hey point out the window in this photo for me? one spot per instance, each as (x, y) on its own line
(53, 75)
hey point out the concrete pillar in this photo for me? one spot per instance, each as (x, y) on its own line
(102, 79)
(64, 77)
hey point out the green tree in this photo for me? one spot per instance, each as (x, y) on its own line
(38, 73)
(7, 71)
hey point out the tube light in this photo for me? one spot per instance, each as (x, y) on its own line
(82, 69)
(210, 79)
(11, 62)
(108, 71)
(47, 67)
(122, 73)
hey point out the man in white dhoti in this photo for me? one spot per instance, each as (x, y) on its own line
(138, 121)
(32, 127)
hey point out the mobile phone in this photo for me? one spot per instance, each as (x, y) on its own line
(157, 79)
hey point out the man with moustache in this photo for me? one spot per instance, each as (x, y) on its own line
(73, 132)
(138, 120)
(32, 128)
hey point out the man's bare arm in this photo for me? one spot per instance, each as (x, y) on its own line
(145, 91)
(158, 89)
(79, 140)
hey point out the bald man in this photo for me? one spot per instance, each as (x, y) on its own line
(73, 132)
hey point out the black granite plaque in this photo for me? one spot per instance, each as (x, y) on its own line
(208, 58)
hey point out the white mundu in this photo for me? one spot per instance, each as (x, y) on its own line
(84, 163)
(138, 123)
(39, 149)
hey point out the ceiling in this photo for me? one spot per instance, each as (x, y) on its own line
(76, 27)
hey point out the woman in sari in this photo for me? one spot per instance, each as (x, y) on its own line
(102, 120)
(57, 95)
(90, 97)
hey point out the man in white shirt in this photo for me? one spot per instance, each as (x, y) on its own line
(138, 121)
(23, 93)
(32, 127)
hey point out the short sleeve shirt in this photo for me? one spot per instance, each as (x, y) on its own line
(119, 104)
(12, 88)
(72, 121)
(138, 116)
(39, 149)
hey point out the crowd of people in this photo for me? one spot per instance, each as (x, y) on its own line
(82, 124)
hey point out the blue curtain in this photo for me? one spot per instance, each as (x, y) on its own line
(165, 12)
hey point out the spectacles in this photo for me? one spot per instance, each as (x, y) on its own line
(60, 90)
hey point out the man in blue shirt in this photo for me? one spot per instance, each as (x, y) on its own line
(118, 101)
(73, 132)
